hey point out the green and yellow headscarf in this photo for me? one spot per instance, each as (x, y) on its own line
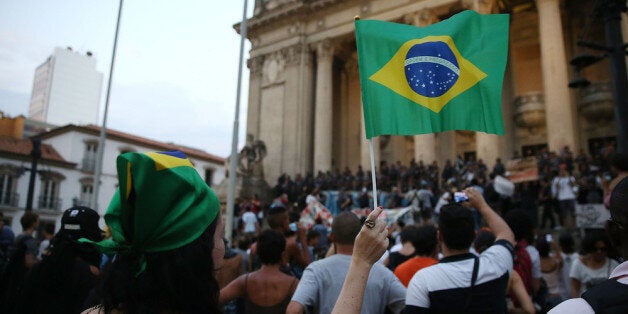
(161, 204)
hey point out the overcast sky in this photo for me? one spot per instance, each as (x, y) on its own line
(175, 75)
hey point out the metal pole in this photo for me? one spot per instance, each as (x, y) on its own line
(612, 25)
(35, 155)
(234, 143)
(103, 128)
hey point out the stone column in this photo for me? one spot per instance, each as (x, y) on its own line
(255, 95)
(323, 111)
(424, 144)
(558, 106)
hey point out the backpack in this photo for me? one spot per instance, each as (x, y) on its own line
(523, 264)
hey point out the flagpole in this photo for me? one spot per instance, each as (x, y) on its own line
(101, 140)
(373, 176)
(233, 160)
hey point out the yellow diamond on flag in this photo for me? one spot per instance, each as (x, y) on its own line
(429, 71)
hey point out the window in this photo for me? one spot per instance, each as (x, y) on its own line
(49, 194)
(7, 186)
(87, 190)
(9, 175)
(89, 157)
(209, 176)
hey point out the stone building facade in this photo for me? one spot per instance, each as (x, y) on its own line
(304, 90)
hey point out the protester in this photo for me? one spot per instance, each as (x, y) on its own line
(369, 245)
(48, 231)
(594, 265)
(61, 282)
(395, 258)
(230, 270)
(527, 260)
(22, 256)
(267, 290)
(167, 232)
(569, 255)
(425, 247)
(297, 255)
(6, 240)
(462, 282)
(551, 269)
(322, 280)
(516, 288)
(608, 296)
(563, 189)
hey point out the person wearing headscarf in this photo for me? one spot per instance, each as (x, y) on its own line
(166, 232)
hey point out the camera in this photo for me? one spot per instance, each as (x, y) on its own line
(460, 197)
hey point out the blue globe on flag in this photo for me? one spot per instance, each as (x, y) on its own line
(431, 68)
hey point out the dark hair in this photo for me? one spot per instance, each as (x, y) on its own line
(424, 240)
(408, 234)
(566, 242)
(456, 226)
(313, 234)
(270, 246)
(62, 280)
(276, 216)
(483, 241)
(180, 280)
(521, 224)
(345, 228)
(591, 237)
(542, 246)
(28, 220)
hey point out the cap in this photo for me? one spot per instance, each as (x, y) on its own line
(81, 222)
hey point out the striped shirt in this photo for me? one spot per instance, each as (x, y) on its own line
(446, 286)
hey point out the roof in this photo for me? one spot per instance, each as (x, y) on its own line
(21, 149)
(134, 139)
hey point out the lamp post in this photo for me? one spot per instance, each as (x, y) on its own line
(615, 49)
(35, 155)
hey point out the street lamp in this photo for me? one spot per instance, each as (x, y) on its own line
(35, 155)
(615, 50)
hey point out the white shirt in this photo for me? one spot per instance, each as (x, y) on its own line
(249, 219)
(561, 187)
(579, 305)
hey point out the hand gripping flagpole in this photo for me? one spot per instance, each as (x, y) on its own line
(234, 143)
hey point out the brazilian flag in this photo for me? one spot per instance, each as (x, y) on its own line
(446, 76)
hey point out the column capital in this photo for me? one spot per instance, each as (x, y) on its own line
(292, 54)
(255, 64)
(324, 49)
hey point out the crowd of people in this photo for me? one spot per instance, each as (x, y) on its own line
(564, 179)
(164, 251)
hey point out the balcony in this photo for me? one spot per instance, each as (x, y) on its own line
(530, 110)
(9, 199)
(88, 164)
(49, 203)
(596, 103)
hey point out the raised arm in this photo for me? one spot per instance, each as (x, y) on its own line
(369, 246)
(495, 222)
